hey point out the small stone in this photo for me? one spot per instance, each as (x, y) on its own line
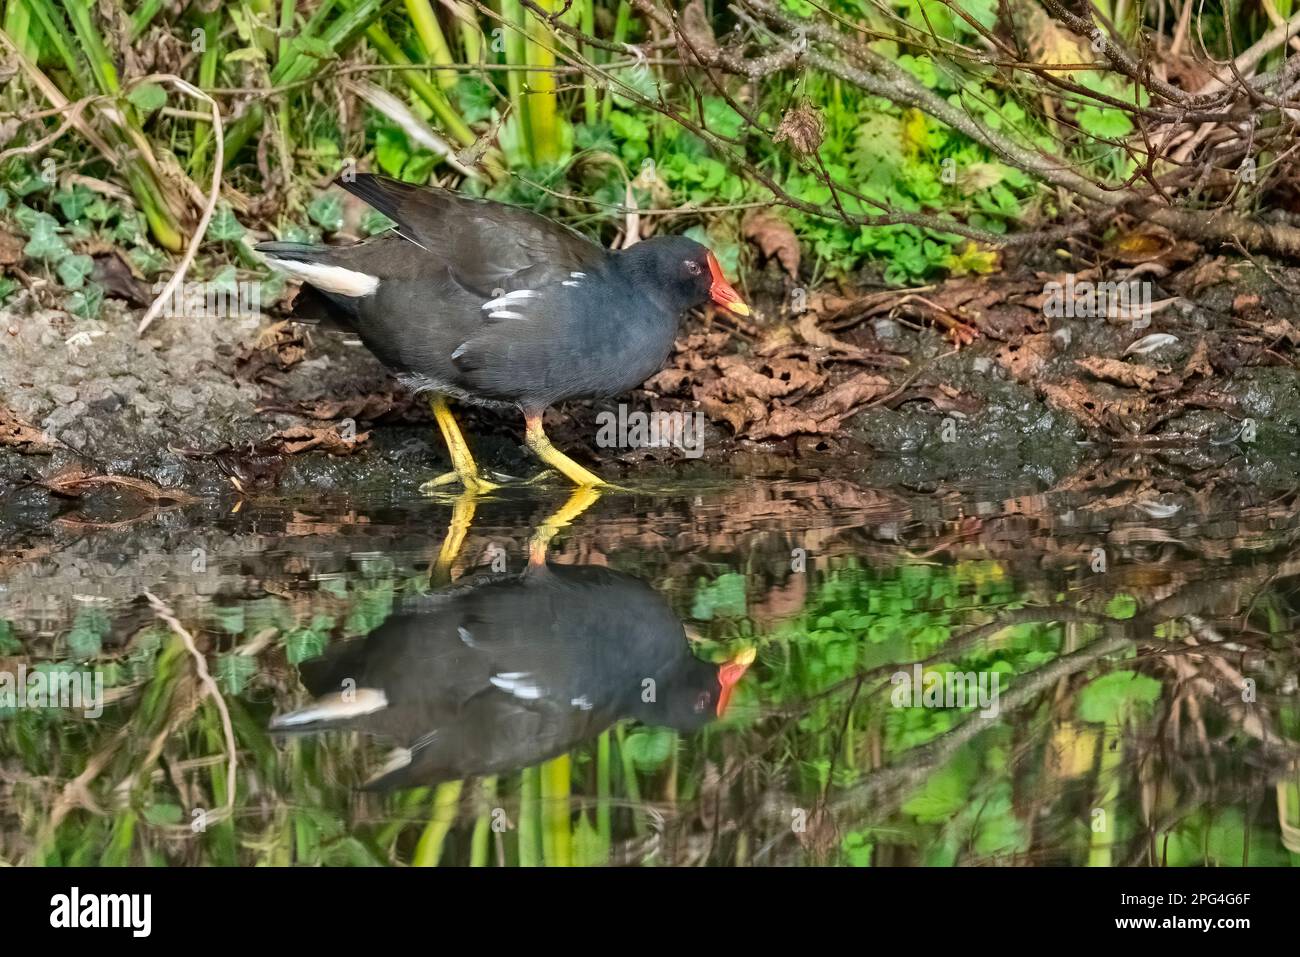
(886, 328)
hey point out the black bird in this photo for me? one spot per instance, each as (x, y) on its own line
(504, 672)
(491, 303)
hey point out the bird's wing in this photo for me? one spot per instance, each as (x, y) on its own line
(485, 245)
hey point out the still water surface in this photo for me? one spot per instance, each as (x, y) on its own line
(743, 672)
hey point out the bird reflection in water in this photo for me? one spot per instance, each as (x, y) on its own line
(503, 671)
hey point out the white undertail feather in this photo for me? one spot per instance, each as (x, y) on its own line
(334, 279)
(338, 706)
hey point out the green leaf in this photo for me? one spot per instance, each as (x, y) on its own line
(87, 302)
(1108, 123)
(234, 672)
(148, 97)
(75, 270)
(1111, 698)
(164, 814)
(44, 242)
(650, 748)
(374, 222)
(326, 211)
(224, 227)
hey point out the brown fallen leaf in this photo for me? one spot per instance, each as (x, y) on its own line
(774, 238)
(849, 394)
(1120, 372)
(1024, 359)
(812, 334)
(11, 249)
(785, 421)
(303, 438)
(75, 483)
(1198, 363)
(17, 434)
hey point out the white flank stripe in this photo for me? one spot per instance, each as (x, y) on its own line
(509, 299)
(506, 314)
(517, 684)
(335, 279)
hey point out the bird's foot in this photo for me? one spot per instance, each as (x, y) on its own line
(474, 482)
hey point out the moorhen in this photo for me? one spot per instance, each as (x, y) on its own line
(505, 671)
(491, 303)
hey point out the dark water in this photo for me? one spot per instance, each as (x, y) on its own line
(530, 679)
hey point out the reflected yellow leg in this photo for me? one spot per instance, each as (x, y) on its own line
(548, 453)
(582, 499)
(462, 514)
(462, 461)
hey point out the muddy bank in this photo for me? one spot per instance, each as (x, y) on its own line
(206, 404)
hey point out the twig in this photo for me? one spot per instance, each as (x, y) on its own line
(201, 229)
(205, 678)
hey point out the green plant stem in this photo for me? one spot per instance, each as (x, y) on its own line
(557, 833)
(432, 39)
(446, 797)
(434, 98)
(543, 117)
(528, 815)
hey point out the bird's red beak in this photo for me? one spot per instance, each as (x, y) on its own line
(721, 291)
(730, 674)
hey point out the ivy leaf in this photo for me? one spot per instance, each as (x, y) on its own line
(374, 222)
(44, 242)
(234, 672)
(326, 211)
(74, 270)
(224, 226)
(147, 259)
(86, 302)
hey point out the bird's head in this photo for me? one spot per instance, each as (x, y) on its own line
(683, 273)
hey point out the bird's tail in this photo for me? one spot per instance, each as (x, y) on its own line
(318, 266)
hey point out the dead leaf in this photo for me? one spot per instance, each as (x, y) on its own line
(774, 238)
(17, 434)
(11, 249)
(849, 394)
(77, 482)
(303, 438)
(1023, 360)
(1119, 372)
(1199, 361)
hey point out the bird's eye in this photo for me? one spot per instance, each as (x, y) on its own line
(702, 702)
(693, 267)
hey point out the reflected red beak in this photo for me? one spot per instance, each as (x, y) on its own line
(730, 674)
(721, 291)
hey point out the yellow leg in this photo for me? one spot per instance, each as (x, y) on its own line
(462, 515)
(548, 453)
(466, 471)
(582, 499)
